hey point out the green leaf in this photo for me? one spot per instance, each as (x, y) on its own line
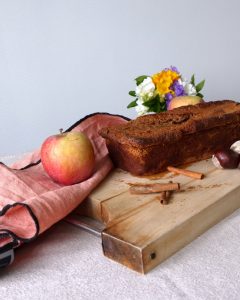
(151, 102)
(154, 105)
(152, 109)
(157, 107)
(163, 106)
(132, 104)
(200, 86)
(132, 93)
(199, 95)
(140, 79)
(192, 80)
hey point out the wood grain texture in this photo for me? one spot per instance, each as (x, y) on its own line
(140, 232)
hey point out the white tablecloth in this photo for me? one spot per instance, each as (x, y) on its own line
(67, 263)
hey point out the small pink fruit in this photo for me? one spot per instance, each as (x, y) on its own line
(183, 101)
(68, 158)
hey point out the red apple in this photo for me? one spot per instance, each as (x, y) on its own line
(68, 158)
(183, 101)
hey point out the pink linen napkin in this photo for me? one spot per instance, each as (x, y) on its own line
(31, 202)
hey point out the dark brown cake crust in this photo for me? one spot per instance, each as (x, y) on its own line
(150, 143)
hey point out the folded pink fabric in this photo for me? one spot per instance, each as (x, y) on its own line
(30, 202)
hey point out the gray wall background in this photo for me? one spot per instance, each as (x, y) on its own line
(63, 59)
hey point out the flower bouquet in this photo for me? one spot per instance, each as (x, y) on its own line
(158, 93)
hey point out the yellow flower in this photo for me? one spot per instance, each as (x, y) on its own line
(164, 80)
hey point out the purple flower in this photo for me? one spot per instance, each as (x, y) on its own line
(168, 98)
(178, 89)
(172, 68)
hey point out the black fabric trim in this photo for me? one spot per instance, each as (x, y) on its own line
(12, 234)
(8, 246)
(30, 165)
(75, 125)
(94, 114)
(3, 235)
(5, 261)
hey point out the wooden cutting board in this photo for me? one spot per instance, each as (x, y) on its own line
(140, 232)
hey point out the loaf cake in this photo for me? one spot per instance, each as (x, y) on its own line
(150, 143)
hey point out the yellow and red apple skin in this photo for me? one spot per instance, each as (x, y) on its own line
(68, 158)
(183, 101)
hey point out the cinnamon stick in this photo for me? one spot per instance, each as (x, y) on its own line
(153, 188)
(163, 197)
(188, 173)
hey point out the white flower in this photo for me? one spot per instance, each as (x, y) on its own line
(140, 108)
(189, 89)
(145, 90)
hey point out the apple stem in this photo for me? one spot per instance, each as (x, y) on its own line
(61, 130)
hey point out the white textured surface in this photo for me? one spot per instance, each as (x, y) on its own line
(67, 263)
